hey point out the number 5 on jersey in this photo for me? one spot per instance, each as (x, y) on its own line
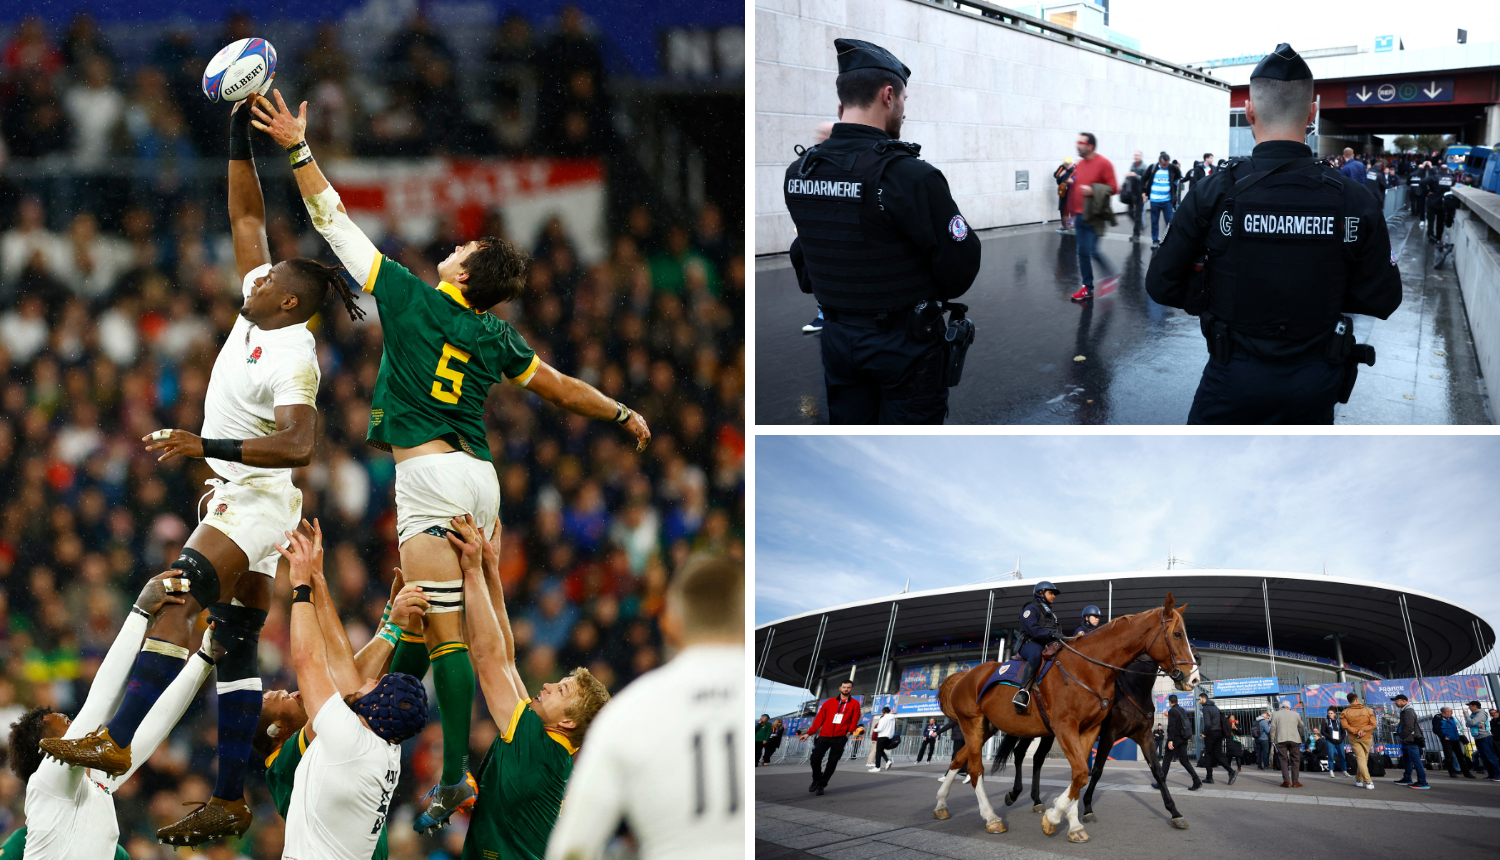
(445, 372)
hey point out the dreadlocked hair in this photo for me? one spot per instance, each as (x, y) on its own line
(316, 280)
(26, 736)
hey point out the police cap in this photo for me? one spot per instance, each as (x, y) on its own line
(1282, 64)
(856, 54)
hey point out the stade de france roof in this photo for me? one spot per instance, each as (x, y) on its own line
(1223, 606)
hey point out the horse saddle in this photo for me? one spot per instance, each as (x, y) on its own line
(1009, 672)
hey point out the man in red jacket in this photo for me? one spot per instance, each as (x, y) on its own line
(1093, 169)
(836, 718)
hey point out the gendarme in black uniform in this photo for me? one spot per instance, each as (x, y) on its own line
(879, 242)
(1291, 247)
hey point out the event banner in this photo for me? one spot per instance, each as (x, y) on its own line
(1433, 688)
(920, 679)
(1186, 700)
(1247, 687)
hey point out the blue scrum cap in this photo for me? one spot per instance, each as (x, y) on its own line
(1282, 64)
(396, 709)
(855, 54)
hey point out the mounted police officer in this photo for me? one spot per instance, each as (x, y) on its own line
(1091, 618)
(1291, 247)
(882, 245)
(1041, 627)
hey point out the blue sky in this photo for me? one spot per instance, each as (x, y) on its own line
(843, 518)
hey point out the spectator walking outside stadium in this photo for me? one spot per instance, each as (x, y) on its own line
(1200, 171)
(874, 733)
(1359, 722)
(1445, 726)
(1064, 176)
(1215, 728)
(1287, 732)
(1412, 742)
(885, 738)
(762, 734)
(1158, 186)
(1094, 186)
(929, 739)
(830, 729)
(1178, 738)
(773, 743)
(1333, 737)
(1261, 732)
(1484, 740)
(1353, 167)
(1132, 186)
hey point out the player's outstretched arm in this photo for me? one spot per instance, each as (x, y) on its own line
(346, 676)
(290, 447)
(405, 612)
(108, 687)
(493, 657)
(353, 248)
(309, 651)
(247, 206)
(580, 398)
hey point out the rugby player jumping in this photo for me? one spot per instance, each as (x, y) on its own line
(442, 353)
(259, 422)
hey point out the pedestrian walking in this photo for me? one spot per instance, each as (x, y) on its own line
(1445, 726)
(1333, 738)
(1094, 187)
(1353, 167)
(830, 730)
(1484, 740)
(874, 742)
(773, 743)
(1132, 188)
(1064, 177)
(1287, 732)
(885, 738)
(1157, 188)
(762, 734)
(1359, 722)
(1412, 743)
(1261, 732)
(1179, 735)
(929, 740)
(1215, 728)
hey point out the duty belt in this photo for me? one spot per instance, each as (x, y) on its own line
(878, 320)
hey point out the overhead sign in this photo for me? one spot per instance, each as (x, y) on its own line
(1247, 687)
(1399, 92)
(1385, 43)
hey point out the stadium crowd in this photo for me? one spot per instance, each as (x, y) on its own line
(116, 293)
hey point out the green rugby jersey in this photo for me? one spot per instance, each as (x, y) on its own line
(281, 775)
(15, 848)
(521, 785)
(439, 361)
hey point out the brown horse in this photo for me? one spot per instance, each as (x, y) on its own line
(1069, 703)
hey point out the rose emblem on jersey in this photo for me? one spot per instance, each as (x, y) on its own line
(219, 511)
(254, 356)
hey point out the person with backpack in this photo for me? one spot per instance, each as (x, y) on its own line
(1333, 737)
(1358, 722)
(1412, 743)
(1484, 741)
(1445, 726)
(1261, 732)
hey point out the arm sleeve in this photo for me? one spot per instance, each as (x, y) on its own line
(518, 362)
(164, 714)
(109, 683)
(1109, 177)
(817, 722)
(937, 227)
(349, 243)
(1374, 285)
(337, 727)
(804, 283)
(295, 382)
(1172, 265)
(595, 801)
(248, 283)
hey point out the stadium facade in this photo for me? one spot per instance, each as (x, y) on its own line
(1306, 630)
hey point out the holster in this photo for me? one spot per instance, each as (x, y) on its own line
(1216, 332)
(925, 321)
(1341, 348)
(958, 337)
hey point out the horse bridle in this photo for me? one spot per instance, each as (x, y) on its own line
(1176, 674)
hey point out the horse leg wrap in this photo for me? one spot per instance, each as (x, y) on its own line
(203, 579)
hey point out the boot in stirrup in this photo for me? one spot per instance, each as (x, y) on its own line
(1022, 701)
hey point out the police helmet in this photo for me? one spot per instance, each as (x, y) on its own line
(1044, 585)
(1091, 610)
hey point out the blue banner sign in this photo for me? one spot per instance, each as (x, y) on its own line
(1247, 687)
(1384, 43)
(1366, 93)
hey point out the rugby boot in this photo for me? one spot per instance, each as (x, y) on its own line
(95, 750)
(216, 819)
(446, 800)
(1022, 700)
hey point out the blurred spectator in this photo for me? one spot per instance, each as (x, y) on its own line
(28, 238)
(29, 52)
(84, 40)
(95, 110)
(34, 122)
(92, 262)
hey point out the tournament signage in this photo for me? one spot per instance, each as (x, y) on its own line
(1433, 688)
(1247, 687)
(1366, 93)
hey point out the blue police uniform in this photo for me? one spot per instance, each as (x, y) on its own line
(1086, 628)
(1041, 626)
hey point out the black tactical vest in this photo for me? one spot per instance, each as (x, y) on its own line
(1276, 252)
(855, 261)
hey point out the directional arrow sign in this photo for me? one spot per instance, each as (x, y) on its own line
(1399, 92)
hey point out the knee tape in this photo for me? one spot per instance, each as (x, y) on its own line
(203, 579)
(237, 628)
(447, 596)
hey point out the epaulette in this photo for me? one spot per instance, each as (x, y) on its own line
(914, 149)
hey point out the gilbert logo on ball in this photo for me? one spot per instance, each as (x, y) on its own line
(238, 70)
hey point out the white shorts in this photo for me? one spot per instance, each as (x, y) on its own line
(256, 515)
(434, 488)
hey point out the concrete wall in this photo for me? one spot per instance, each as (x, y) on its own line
(1476, 256)
(984, 101)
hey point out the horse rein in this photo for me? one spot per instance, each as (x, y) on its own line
(1104, 701)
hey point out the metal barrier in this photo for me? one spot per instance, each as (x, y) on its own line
(1395, 201)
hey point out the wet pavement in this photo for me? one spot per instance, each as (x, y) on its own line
(1122, 358)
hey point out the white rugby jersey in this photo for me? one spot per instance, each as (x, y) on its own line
(681, 793)
(343, 789)
(69, 816)
(257, 371)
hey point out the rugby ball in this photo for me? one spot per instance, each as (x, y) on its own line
(241, 68)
